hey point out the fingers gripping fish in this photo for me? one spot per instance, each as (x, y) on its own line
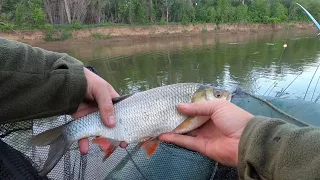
(141, 118)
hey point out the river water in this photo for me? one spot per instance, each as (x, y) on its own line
(258, 63)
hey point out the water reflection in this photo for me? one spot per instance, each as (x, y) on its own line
(249, 61)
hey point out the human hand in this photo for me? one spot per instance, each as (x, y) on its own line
(219, 137)
(98, 97)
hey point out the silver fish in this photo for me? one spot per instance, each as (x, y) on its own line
(141, 117)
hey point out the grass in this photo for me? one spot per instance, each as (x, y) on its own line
(185, 31)
(165, 33)
(57, 35)
(204, 30)
(75, 26)
(101, 36)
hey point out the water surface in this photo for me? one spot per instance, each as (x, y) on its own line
(257, 63)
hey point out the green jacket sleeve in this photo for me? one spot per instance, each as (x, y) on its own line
(36, 83)
(273, 149)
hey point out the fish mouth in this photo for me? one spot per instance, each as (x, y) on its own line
(229, 97)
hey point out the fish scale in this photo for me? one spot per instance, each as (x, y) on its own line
(157, 106)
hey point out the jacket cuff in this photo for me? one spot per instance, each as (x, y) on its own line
(253, 148)
(78, 80)
(80, 88)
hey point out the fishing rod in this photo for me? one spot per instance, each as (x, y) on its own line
(315, 22)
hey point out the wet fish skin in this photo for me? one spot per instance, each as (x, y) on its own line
(141, 117)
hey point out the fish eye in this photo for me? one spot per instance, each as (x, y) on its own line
(218, 94)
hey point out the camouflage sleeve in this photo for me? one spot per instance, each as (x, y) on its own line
(273, 149)
(36, 83)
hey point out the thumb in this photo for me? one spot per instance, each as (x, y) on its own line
(205, 108)
(188, 142)
(105, 107)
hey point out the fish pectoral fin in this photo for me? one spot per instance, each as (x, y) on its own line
(150, 146)
(190, 124)
(183, 126)
(108, 146)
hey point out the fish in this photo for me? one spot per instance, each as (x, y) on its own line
(140, 118)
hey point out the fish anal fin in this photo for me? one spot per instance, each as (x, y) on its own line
(102, 142)
(150, 146)
(108, 146)
(108, 153)
(121, 98)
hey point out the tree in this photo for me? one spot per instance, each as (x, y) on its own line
(36, 12)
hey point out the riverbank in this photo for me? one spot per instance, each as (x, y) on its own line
(124, 33)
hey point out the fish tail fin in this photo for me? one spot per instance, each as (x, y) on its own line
(59, 145)
(106, 145)
(150, 146)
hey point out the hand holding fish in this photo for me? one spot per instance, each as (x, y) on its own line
(141, 118)
(98, 97)
(218, 138)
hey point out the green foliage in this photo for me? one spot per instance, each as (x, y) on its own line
(6, 27)
(258, 11)
(163, 21)
(278, 11)
(225, 11)
(57, 35)
(24, 14)
(38, 16)
(76, 25)
(47, 27)
(31, 14)
(139, 12)
(273, 20)
(8, 6)
(185, 19)
(241, 14)
(21, 16)
(4, 17)
(101, 36)
(210, 14)
(204, 30)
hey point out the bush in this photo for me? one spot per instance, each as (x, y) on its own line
(38, 16)
(6, 26)
(57, 35)
(101, 36)
(76, 25)
(274, 20)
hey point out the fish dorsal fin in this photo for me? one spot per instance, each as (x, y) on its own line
(120, 98)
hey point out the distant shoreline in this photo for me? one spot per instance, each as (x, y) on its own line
(123, 33)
